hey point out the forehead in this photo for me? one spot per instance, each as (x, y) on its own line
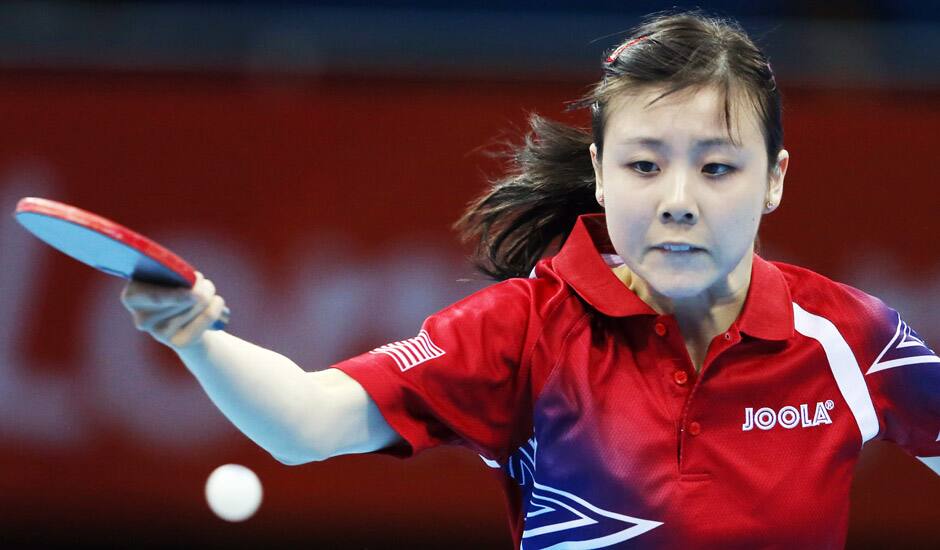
(691, 113)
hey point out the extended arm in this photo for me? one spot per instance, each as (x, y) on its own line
(296, 416)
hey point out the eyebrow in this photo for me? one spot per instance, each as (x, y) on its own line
(708, 143)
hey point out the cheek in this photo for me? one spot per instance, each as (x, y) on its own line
(627, 220)
(741, 215)
(736, 224)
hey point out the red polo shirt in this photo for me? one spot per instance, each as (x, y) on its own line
(586, 399)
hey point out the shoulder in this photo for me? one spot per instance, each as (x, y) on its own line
(814, 291)
(507, 319)
(535, 298)
(861, 318)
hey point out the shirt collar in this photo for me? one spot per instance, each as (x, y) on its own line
(767, 312)
(768, 309)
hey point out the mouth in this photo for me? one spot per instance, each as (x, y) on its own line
(678, 248)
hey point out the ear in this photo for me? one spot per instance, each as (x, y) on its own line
(599, 187)
(775, 182)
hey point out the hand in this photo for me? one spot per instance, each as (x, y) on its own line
(176, 317)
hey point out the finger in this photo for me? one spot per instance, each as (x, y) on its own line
(151, 321)
(171, 325)
(148, 308)
(204, 288)
(146, 296)
(193, 331)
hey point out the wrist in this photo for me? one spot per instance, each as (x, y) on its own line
(195, 350)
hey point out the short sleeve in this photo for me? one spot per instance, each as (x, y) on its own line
(903, 378)
(464, 379)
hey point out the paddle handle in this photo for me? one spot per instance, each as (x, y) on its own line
(222, 321)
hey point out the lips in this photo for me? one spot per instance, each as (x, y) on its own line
(678, 247)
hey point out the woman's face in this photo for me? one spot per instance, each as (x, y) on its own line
(683, 200)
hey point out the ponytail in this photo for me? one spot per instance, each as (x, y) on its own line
(548, 184)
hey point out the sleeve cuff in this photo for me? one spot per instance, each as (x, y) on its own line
(387, 392)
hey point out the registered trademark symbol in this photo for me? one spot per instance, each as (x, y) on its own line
(829, 404)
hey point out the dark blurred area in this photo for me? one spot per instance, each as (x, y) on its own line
(309, 157)
(885, 43)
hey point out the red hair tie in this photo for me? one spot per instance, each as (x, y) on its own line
(616, 53)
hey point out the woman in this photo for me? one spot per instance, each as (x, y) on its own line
(654, 382)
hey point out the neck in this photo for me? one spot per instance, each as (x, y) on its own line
(705, 315)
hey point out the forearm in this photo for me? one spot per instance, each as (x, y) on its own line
(266, 395)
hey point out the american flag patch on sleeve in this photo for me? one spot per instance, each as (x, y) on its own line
(411, 352)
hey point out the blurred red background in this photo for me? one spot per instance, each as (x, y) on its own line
(321, 208)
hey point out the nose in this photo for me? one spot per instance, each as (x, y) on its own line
(678, 204)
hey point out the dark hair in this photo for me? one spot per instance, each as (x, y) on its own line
(550, 178)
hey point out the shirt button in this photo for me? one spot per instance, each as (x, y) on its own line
(681, 377)
(694, 428)
(727, 336)
(660, 329)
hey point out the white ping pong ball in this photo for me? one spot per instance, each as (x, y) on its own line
(233, 492)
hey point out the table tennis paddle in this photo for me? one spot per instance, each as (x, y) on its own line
(106, 245)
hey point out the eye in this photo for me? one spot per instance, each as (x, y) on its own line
(644, 167)
(718, 169)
